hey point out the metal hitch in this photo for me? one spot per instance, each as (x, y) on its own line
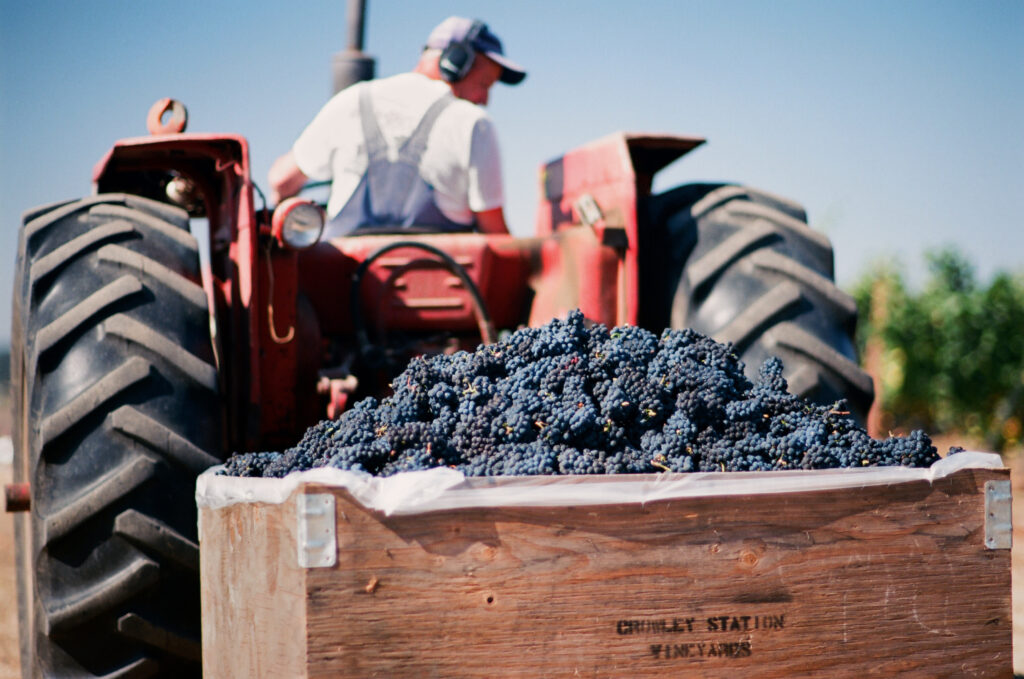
(17, 497)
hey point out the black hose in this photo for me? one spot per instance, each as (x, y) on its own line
(363, 345)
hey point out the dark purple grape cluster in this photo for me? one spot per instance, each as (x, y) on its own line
(566, 398)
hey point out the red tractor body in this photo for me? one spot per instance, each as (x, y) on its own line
(282, 316)
(141, 356)
(596, 269)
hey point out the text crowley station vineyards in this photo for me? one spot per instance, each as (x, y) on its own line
(565, 398)
(715, 623)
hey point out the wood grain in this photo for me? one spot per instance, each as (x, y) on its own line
(253, 592)
(880, 581)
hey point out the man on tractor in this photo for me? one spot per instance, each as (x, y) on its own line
(416, 148)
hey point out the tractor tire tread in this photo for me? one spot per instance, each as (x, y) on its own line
(39, 220)
(49, 264)
(731, 204)
(188, 290)
(804, 380)
(30, 214)
(136, 627)
(156, 537)
(142, 573)
(143, 668)
(196, 369)
(727, 192)
(798, 339)
(746, 269)
(109, 488)
(125, 376)
(159, 438)
(703, 270)
(161, 226)
(66, 324)
(842, 303)
(123, 391)
(745, 327)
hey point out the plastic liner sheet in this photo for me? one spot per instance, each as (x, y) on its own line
(443, 488)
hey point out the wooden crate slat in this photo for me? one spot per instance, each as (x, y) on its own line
(253, 592)
(878, 581)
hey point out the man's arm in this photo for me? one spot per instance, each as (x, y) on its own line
(491, 221)
(286, 179)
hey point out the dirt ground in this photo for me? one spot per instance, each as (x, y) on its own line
(1017, 477)
(9, 661)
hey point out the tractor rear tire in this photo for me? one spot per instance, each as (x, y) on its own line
(745, 268)
(116, 412)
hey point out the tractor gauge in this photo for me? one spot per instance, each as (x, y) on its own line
(298, 223)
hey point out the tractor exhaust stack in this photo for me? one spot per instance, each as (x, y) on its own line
(352, 65)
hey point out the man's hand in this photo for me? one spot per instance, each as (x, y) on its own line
(286, 179)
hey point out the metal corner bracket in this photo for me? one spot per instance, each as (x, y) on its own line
(317, 540)
(998, 515)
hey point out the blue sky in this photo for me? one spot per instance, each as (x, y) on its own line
(897, 124)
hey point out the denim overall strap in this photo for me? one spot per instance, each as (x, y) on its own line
(395, 190)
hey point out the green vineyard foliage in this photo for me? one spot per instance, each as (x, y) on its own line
(950, 356)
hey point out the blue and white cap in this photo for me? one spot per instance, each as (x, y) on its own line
(455, 29)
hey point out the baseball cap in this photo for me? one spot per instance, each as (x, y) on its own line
(455, 29)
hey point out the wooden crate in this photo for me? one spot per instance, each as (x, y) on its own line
(883, 580)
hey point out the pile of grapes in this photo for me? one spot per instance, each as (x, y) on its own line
(570, 399)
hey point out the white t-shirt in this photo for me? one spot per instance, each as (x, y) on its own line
(461, 161)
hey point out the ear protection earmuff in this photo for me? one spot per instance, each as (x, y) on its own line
(457, 58)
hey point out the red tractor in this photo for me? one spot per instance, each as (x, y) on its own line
(136, 367)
